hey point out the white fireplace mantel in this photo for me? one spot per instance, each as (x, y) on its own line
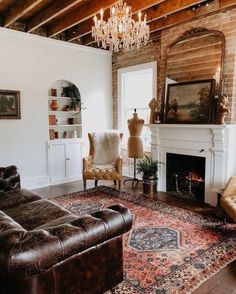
(217, 143)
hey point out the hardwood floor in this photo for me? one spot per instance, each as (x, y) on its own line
(223, 282)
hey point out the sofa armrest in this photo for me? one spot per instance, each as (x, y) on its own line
(9, 178)
(32, 252)
(119, 163)
(87, 162)
(230, 189)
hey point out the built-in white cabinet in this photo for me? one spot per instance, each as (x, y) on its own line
(65, 133)
(65, 160)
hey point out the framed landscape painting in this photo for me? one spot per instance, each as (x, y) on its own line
(10, 104)
(190, 102)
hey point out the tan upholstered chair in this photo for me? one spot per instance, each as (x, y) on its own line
(104, 161)
(228, 199)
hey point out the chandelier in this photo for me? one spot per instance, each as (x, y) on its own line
(120, 32)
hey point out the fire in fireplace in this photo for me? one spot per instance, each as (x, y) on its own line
(185, 176)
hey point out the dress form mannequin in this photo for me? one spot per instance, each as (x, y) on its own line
(135, 144)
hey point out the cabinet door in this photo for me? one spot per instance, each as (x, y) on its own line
(74, 154)
(57, 162)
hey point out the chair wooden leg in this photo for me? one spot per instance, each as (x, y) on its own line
(84, 184)
(119, 184)
(96, 183)
(114, 182)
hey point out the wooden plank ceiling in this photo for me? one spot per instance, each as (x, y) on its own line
(72, 20)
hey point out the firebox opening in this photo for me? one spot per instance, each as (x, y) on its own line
(185, 176)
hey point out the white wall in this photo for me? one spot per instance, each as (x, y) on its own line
(31, 64)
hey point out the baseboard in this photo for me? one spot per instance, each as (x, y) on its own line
(35, 182)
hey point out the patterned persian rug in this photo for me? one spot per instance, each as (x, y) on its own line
(169, 249)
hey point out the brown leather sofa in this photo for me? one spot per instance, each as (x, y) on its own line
(45, 249)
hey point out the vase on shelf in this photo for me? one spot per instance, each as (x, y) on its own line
(53, 92)
(54, 105)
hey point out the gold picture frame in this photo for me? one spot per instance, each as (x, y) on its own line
(10, 107)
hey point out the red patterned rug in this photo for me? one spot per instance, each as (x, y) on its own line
(169, 249)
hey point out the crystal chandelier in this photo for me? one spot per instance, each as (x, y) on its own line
(120, 32)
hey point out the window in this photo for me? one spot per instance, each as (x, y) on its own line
(136, 87)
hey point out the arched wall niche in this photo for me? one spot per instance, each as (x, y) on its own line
(64, 106)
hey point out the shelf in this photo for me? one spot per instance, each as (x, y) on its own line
(57, 97)
(58, 126)
(62, 140)
(62, 111)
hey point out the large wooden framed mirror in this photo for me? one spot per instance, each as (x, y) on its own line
(195, 56)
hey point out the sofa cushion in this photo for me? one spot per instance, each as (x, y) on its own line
(7, 223)
(57, 222)
(16, 198)
(9, 178)
(36, 213)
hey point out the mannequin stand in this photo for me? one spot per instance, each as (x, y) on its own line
(135, 179)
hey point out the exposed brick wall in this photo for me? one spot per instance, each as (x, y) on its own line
(224, 22)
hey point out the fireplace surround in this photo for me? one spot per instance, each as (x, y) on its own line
(215, 143)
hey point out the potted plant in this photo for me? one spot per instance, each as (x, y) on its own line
(148, 168)
(73, 92)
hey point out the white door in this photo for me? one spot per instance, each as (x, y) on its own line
(74, 155)
(57, 162)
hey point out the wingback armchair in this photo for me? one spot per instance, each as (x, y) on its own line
(104, 161)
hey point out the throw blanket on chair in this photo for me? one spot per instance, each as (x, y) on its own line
(106, 147)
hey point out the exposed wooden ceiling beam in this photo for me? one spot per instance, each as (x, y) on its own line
(87, 40)
(70, 19)
(153, 12)
(86, 26)
(19, 9)
(89, 10)
(226, 3)
(168, 7)
(186, 15)
(55, 9)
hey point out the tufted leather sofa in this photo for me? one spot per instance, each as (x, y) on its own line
(45, 249)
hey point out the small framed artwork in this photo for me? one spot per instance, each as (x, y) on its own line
(10, 104)
(190, 102)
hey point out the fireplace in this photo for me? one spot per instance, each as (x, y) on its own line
(185, 176)
(214, 144)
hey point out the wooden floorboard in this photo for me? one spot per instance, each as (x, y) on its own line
(223, 282)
